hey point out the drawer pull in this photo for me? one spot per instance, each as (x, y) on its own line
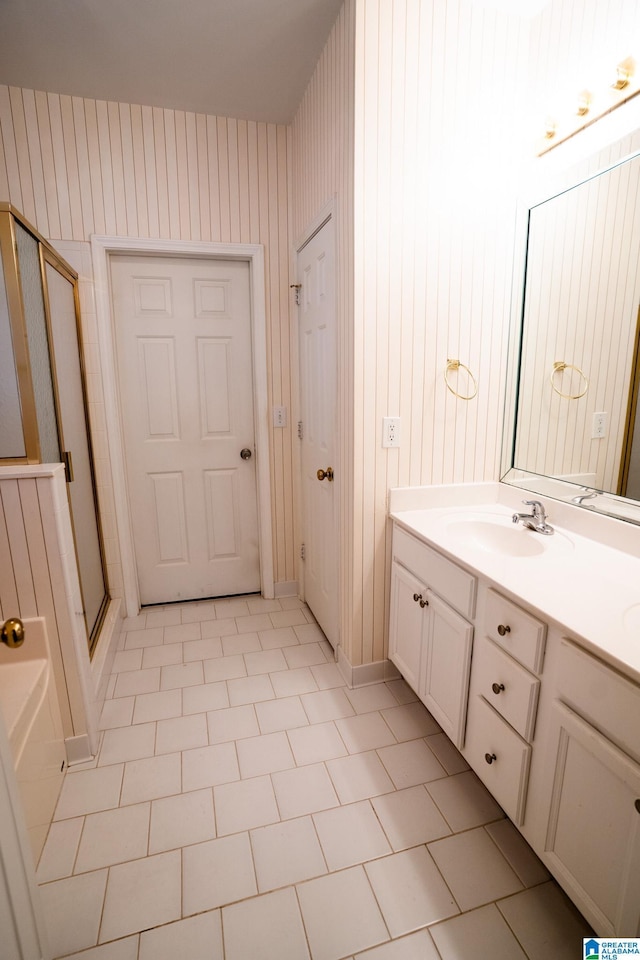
(490, 757)
(637, 805)
(497, 688)
(503, 630)
(418, 599)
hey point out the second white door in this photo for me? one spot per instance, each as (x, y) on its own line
(183, 334)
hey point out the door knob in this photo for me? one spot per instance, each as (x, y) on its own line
(12, 632)
(325, 474)
(245, 454)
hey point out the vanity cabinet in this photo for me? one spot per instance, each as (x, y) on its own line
(590, 795)
(429, 640)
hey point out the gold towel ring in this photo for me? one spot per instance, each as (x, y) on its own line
(558, 367)
(456, 365)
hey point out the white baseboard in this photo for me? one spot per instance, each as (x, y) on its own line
(366, 673)
(78, 749)
(285, 588)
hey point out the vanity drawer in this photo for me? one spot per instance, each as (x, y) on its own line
(601, 695)
(499, 756)
(445, 578)
(517, 631)
(508, 687)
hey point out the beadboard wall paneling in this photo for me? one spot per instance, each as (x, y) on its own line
(76, 167)
(322, 165)
(437, 149)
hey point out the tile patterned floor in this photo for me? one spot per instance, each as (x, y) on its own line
(246, 805)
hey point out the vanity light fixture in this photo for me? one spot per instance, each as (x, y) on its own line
(590, 106)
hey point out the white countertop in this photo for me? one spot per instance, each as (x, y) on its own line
(585, 577)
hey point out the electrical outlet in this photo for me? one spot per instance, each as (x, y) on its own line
(599, 426)
(391, 431)
(279, 416)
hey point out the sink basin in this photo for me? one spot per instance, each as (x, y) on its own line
(500, 536)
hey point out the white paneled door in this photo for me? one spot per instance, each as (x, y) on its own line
(318, 385)
(183, 333)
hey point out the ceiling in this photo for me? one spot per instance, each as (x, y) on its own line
(249, 59)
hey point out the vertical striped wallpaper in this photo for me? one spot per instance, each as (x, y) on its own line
(75, 167)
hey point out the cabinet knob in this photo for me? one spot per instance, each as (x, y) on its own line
(637, 805)
(419, 599)
(497, 688)
(490, 757)
(503, 630)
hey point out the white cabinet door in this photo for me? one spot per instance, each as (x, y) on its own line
(593, 830)
(444, 686)
(408, 624)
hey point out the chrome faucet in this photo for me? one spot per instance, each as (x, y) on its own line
(587, 494)
(536, 520)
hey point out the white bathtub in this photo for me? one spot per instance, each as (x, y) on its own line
(31, 714)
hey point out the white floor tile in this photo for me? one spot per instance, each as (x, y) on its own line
(116, 713)
(327, 675)
(182, 820)
(289, 683)
(72, 909)
(410, 817)
(283, 714)
(340, 914)
(144, 638)
(126, 949)
(182, 632)
(264, 754)
(141, 894)
(278, 637)
(232, 724)
(87, 791)
(286, 853)
(113, 837)
(182, 733)
(205, 610)
(128, 660)
(163, 656)
(241, 643)
(226, 668)
(151, 778)
(264, 661)
(225, 627)
(209, 766)
(205, 697)
(162, 616)
(182, 675)
(410, 891)
(359, 776)
(158, 706)
(401, 691)
(196, 938)
(365, 732)
(127, 743)
(545, 922)
(350, 835)
(217, 872)
(262, 605)
(518, 853)
(265, 928)
(474, 868)
(309, 633)
(288, 618)
(253, 623)
(137, 681)
(415, 946)
(244, 805)
(59, 851)
(376, 696)
(304, 655)
(250, 690)
(410, 721)
(208, 649)
(460, 938)
(410, 763)
(450, 758)
(464, 801)
(231, 608)
(304, 790)
(329, 704)
(321, 741)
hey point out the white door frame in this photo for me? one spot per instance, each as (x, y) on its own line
(102, 247)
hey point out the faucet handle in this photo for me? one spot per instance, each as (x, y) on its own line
(538, 509)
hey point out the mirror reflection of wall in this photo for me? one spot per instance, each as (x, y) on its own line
(580, 309)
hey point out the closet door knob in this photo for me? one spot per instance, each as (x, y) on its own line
(490, 757)
(503, 630)
(497, 688)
